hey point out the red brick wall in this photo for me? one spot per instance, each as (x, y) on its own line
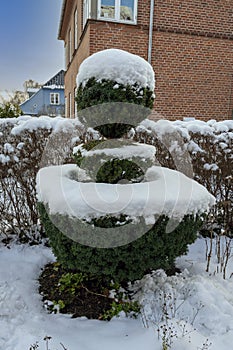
(105, 35)
(198, 16)
(192, 54)
(194, 76)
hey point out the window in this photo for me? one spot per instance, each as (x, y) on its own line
(70, 48)
(70, 105)
(66, 108)
(66, 54)
(86, 11)
(54, 98)
(75, 103)
(118, 10)
(75, 29)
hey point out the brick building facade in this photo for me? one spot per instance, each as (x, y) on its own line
(189, 44)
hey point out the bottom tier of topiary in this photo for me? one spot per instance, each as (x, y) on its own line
(156, 249)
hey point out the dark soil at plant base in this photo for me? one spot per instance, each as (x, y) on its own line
(90, 299)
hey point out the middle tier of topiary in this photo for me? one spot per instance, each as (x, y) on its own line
(106, 162)
(156, 249)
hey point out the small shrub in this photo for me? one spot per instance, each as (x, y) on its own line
(10, 110)
(71, 282)
(130, 308)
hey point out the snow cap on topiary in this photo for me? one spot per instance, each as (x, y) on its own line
(119, 66)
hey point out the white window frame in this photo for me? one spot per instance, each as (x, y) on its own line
(86, 11)
(70, 105)
(117, 13)
(76, 29)
(54, 98)
(66, 107)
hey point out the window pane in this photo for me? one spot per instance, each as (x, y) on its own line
(57, 99)
(75, 29)
(127, 10)
(51, 99)
(107, 9)
(54, 99)
(86, 11)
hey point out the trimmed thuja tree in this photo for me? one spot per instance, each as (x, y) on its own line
(108, 214)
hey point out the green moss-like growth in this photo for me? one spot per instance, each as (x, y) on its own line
(155, 249)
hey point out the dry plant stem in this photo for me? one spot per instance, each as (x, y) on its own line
(218, 248)
(144, 319)
(227, 254)
(209, 253)
(89, 291)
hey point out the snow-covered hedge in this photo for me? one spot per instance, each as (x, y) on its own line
(202, 150)
(24, 141)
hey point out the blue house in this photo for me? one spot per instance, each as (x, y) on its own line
(48, 100)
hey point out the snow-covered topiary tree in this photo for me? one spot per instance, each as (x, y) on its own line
(109, 215)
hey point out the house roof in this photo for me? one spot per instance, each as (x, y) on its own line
(66, 10)
(61, 19)
(57, 79)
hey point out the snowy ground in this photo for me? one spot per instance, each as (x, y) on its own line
(199, 308)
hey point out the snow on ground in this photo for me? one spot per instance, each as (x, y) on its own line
(200, 307)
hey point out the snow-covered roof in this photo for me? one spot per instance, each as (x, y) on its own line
(117, 65)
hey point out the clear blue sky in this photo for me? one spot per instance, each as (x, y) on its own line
(29, 48)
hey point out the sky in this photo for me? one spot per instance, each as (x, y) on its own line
(29, 48)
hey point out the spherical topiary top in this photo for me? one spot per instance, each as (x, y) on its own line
(116, 81)
(117, 65)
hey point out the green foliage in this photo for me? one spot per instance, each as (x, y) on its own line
(130, 308)
(109, 118)
(110, 221)
(98, 92)
(156, 249)
(10, 110)
(114, 130)
(103, 168)
(78, 157)
(117, 170)
(91, 144)
(70, 282)
(60, 304)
